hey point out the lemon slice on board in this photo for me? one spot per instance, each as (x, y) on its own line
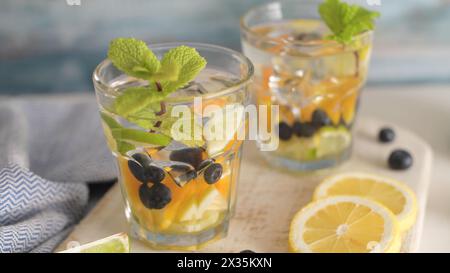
(118, 243)
(344, 224)
(394, 195)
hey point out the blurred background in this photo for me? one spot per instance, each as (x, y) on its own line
(50, 46)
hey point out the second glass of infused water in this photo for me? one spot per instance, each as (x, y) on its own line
(315, 82)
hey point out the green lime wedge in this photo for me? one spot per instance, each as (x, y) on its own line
(118, 243)
(298, 148)
(332, 140)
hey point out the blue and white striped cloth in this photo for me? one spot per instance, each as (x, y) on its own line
(50, 147)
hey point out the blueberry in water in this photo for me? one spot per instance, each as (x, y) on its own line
(284, 131)
(137, 170)
(191, 156)
(154, 174)
(205, 164)
(247, 251)
(213, 173)
(156, 196)
(400, 160)
(303, 129)
(142, 158)
(386, 134)
(320, 118)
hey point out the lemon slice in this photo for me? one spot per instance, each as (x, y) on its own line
(332, 140)
(222, 127)
(344, 224)
(211, 199)
(209, 220)
(118, 243)
(394, 195)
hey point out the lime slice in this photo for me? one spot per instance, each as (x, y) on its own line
(118, 243)
(298, 148)
(332, 140)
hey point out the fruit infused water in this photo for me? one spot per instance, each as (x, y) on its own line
(316, 82)
(179, 190)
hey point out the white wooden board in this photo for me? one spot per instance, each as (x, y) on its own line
(268, 198)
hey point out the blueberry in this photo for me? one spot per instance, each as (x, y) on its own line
(156, 196)
(213, 173)
(304, 129)
(307, 37)
(137, 170)
(386, 134)
(205, 164)
(400, 160)
(247, 251)
(284, 131)
(142, 158)
(320, 118)
(154, 174)
(191, 156)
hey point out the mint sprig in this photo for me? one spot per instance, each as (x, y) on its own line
(346, 20)
(177, 68)
(138, 104)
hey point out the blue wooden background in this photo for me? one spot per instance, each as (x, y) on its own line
(48, 46)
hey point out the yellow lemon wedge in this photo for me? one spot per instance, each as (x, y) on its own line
(344, 224)
(394, 195)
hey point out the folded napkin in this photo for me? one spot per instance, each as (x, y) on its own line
(49, 148)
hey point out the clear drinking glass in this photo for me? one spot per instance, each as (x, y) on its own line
(316, 82)
(199, 209)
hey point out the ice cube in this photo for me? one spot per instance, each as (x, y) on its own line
(181, 173)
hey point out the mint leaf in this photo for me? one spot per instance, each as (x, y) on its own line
(345, 20)
(144, 118)
(125, 134)
(190, 63)
(133, 57)
(135, 99)
(167, 72)
(123, 147)
(112, 123)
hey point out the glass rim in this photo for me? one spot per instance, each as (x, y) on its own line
(244, 80)
(259, 8)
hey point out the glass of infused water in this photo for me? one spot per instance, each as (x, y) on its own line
(178, 191)
(316, 82)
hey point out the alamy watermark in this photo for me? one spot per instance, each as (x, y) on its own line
(218, 123)
(73, 2)
(374, 2)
